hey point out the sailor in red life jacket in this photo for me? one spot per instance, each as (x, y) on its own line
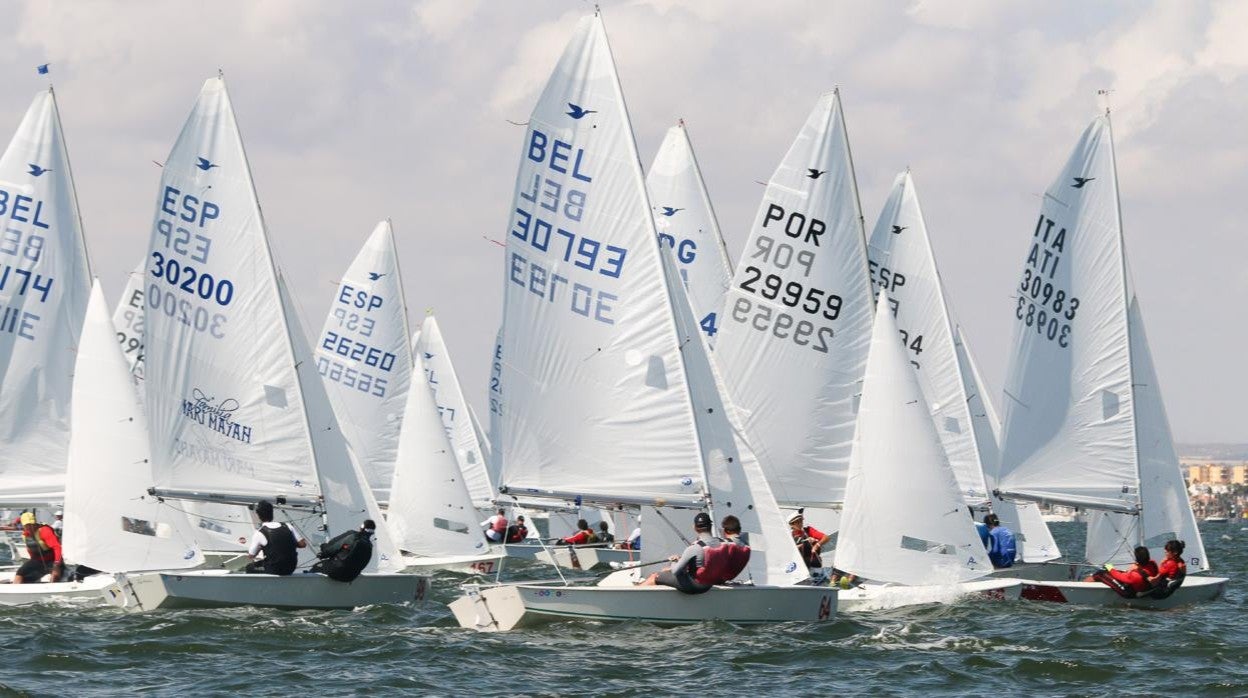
(45, 552)
(1136, 578)
(1173, 567)
(496, 527)
(584, 534)
(808, 539)
(709, 561)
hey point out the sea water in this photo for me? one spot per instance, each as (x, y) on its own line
(970, 648)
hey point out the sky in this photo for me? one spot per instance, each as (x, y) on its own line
(355, 112)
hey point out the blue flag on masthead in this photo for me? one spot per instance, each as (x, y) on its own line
(43, 69)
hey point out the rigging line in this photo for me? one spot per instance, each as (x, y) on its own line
(671, 525)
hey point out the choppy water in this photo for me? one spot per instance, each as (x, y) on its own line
(967, 649)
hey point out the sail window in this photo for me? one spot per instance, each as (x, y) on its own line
(145, 528)
(927, 546)
(452, 526)
(656, 373)
(1109, 404)
(275, 396)
(952, 425)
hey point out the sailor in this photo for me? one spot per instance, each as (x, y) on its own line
(633, 542)
(1173, 567)
(808, 539)
(1135, 578)
(709, 561)
(278, 542)
(1001, 546)
(44, 549)
(495, 527)
(604, 533)
(583, 535)
(517, 532)
(981, 528)
(58, 525)
(346, 555)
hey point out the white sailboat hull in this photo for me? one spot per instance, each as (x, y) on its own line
(1194, 590)
(585, 558)
(149, 591)
(489, 563)
(87, 592)
(502, 608)
(874, 597)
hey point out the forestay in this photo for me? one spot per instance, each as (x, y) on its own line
(431, 513)
(364, 357)
(596, 398)
(111, 523)
(797, 321)
(223, 399)
(1032, 535)
(686, 223)
(128, 319)
(44, 285)
(904, 520)
(457, 419)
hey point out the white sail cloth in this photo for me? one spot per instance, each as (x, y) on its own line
(364, 357)
(461, 428)
(111, 523)
(687, 226)
(905, 519)
(793, 339)
(128, 319)
(44, 286)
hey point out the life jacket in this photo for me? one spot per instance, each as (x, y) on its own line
(38, 549)
(346, 556)
(517, 533)
(591, 537)
(280, 556)
(721, 563)
(499, 525)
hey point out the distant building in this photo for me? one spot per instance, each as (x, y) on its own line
(1217, 473)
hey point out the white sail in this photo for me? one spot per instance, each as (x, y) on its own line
(364, 357)
(904, 519)
(494, 440)
(128, 319)
(686, 223)
(44, 286)
(223, 399)
(1033, 538)
(111, 523)
(793, 339)
(902, 263)
(1165, 511)
(596, 401)
(347, 498)
(431, 512)
(1070, 408)
(456, 417)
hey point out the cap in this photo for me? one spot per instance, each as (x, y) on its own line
(27, 518)
(702, 521)
(796, 516)
(369, 525)
(59, 513)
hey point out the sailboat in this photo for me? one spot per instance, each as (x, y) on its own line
(902, 263)
(364, 357)
(687, 226)
(44, 287)
(797, 322)
(1085, 425)
(604, 365)
(111, 523)
(904, 521)
(236, 407)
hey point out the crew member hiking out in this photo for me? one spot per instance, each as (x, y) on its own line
(709, 561)
(44, 549)
(277, 541)
(496, 527)
(583, 536)
(1133, 581)
(345, 556)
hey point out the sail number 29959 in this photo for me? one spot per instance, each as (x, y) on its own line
(779, 324)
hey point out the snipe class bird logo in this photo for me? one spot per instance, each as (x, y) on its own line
(205, 164)
(576, 111)
(670, 211)
(813, 173)
(898, 228)
(1080, 181)
(373, 275)
(36, 170)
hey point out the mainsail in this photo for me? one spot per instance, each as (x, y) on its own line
(793, 340)
(1085, 425)
(461, 428)
(223, 399)
(686, 223)
(111, 523)
(905, 519)
(45, 280)
(364, 357)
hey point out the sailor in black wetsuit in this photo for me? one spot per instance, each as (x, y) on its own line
(278, 541)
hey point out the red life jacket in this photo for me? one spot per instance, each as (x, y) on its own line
(37, 548)
(499, 525)
(722, 563)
